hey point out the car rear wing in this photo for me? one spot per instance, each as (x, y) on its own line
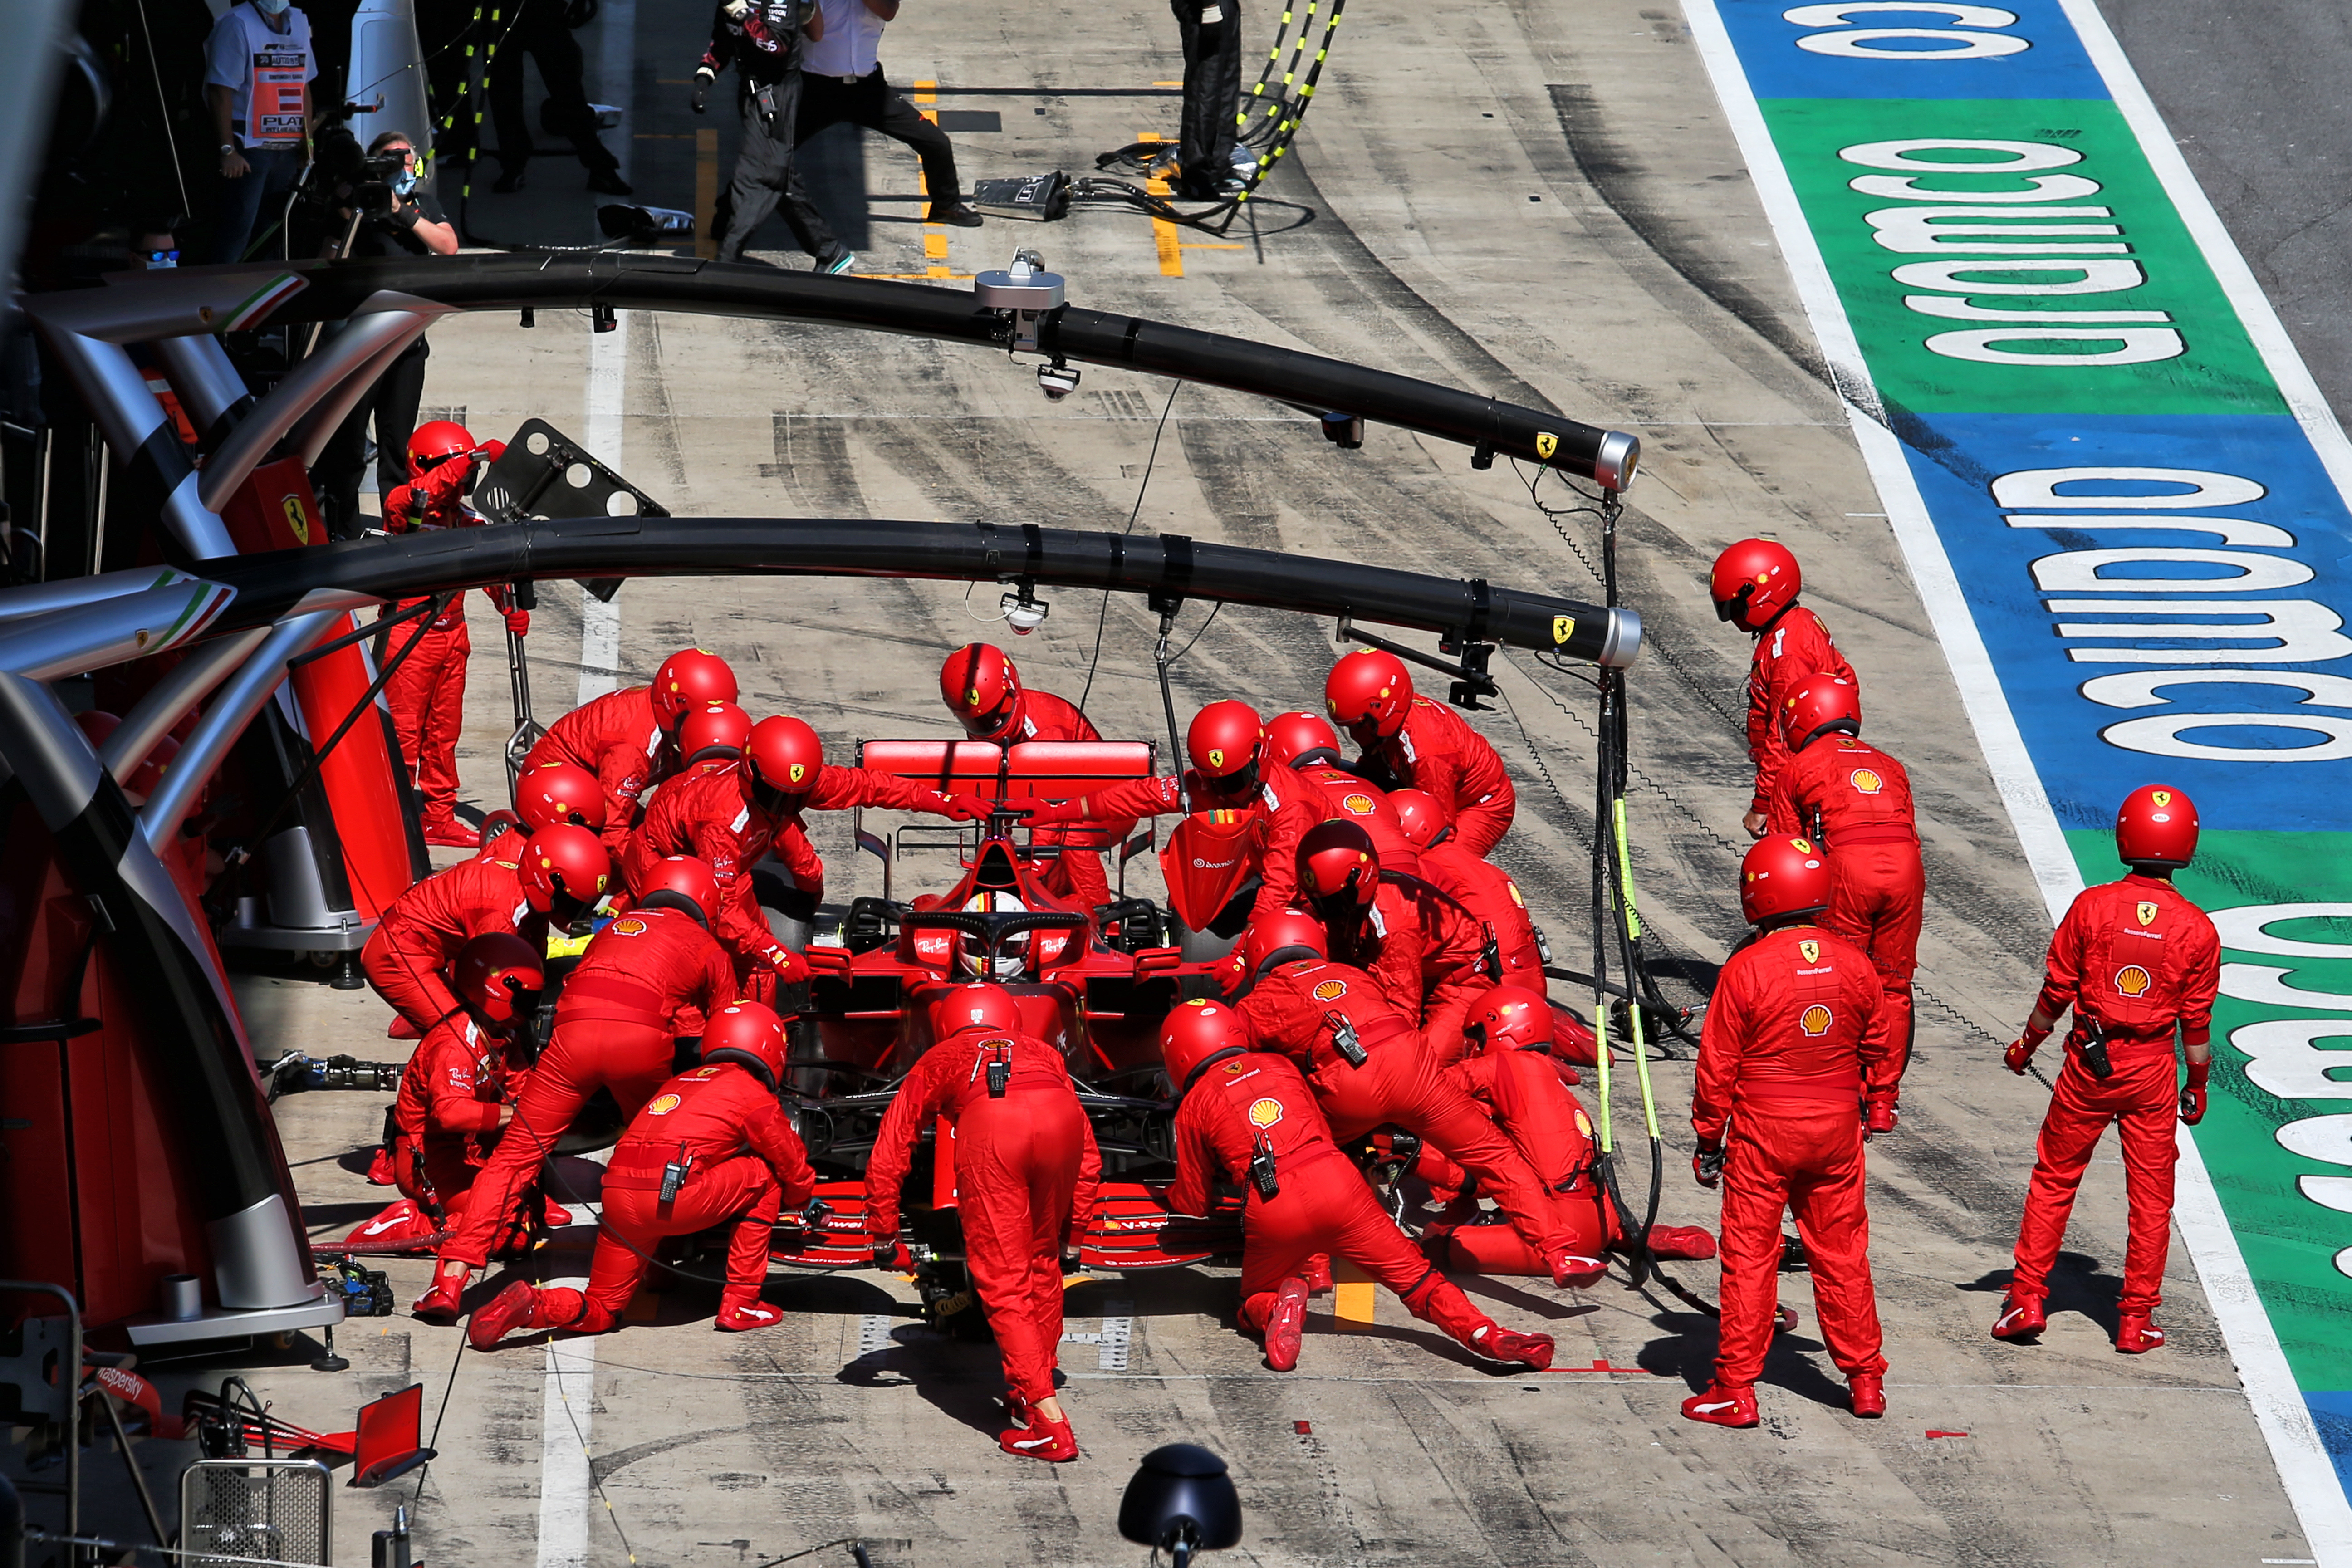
(1024, 770)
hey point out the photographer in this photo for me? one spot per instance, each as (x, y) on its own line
(258, 67)
(393, 216)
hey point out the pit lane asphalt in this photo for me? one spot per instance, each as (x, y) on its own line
(1539, 199)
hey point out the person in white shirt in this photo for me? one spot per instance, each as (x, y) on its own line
(258, 67)
(841, 79)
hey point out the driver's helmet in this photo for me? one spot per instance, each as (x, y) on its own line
(1011, 956)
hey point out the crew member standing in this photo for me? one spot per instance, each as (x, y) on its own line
(543, 30)
(1209, 32)
(427, 692)
(1795, 1045)
(1025, 1172)
(713, 1146)
(984, 690)
(1855, 801)
(1248, 1116)
(764, 41)
(259, 67)
(1410, 742)
(1754, 584)
(841, 81)
(2138, 963)
(648, 977)
(628, 738)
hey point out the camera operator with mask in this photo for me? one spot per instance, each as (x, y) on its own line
(258, 67)
(390, 216)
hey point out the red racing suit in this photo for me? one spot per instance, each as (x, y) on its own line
(1076, 873)
(615, 1024)
(1856, 802)
(1285, 803)
(1791, 651)
(1794, 1043)
(616, 738)
(1428, 955)
(1292, 1009)
(743, 1163)
(2143, 961)
(1350, 799)
(407, 956)
(451, 1093)
(1259, 1102)
(427, 692)
(1487, 891)
(1025, 1172)
(705, 814)
(1524, 1092)
(1438, 752)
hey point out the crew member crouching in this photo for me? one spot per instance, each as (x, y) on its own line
(2137, 962)
(1794, 1045)
(712, 1146)
(1025, 1172)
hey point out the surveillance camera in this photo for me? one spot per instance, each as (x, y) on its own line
(1057, 381)
(1023, 612)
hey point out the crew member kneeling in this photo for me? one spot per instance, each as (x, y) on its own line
(2137, 962)
(1250, 1115)
(1795, 1043)
(1026, 1171)
(713, 1146)
(457, 1088)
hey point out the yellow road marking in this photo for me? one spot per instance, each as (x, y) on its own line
(1163, 236)
(1351, 1292)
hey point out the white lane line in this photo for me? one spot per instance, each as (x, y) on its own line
(2304, 1468)
(874, 1333)
(1116, 1333)
(608, 384)
(566, 1416)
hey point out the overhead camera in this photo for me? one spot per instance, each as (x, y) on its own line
(1021, 609)
(1057, 381)
(1181, 1502)
(1344, 431)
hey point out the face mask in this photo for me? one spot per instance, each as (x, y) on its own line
(272, 7)
(405, 181)
(159, 259)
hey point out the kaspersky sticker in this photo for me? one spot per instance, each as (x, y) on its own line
(1815, 1020)
(2132, 980)
(1264, 1112)
(663, 1104)
(1331, 991)
(1866, 781)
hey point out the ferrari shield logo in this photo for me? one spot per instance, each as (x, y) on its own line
(2161, 796)
(296, 518)
(1811, 948)
(800, 771)
(1563, 629)
(1546, 445)
(1264, 1112)
(1217, 757)
(2146, 912)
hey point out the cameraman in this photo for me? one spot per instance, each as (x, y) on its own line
(395, 217)
(258, 67)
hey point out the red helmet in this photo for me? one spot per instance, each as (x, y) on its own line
(1780, 876)
(1338, 864)
(1754, 581)
(1421, 815)
(684, 878)
(1282, 935)
(1369, 693)
(1822, 703)
(559, 792)
(1511, 1018)
(690, 679)
(784, 755)
(436, 442)
(564, 859)
(976, 1006)
(495, 971)
(982, 688)
(1197, 1034)
(1224, 740)
(1295, 738)
(719, 729)
(2156, 828)
(749, 1034)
